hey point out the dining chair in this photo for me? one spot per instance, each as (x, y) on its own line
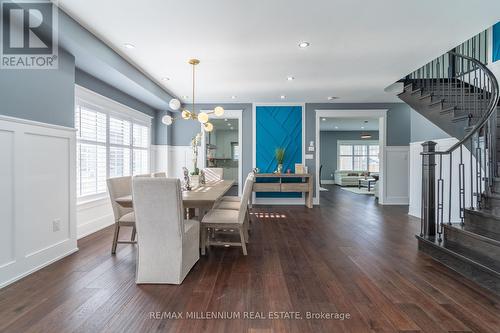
(213, 174)
(159, 175)
(168, 244)
(233, 202)
(227, 219)
(124, 217)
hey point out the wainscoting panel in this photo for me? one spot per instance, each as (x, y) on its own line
(7, 255)
(396, 175)
(416, 177)
(37, 196)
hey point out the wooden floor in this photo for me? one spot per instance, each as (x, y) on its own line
(348, 256)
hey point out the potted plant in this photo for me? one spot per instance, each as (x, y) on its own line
(279, 154)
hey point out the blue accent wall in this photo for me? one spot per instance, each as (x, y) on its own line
(496, 42)
(278, 126)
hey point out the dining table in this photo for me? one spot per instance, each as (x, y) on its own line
(201, 197)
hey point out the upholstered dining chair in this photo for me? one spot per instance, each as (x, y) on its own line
(225, 219)
(159, 174)
(213, 174)
(168, 245)
(124, 217)
(233, 202)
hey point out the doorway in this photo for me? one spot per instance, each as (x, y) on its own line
(221, 148)
(358, 149)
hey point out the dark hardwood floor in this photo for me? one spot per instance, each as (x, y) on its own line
(348, 256)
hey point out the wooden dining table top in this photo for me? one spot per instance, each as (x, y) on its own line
(202, 196)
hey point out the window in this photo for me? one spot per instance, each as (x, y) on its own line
(112, 141)
(358, 155)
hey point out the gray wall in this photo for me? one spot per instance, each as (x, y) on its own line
(398, 122)
(181, 131)
(88, 81)
(44, 95)
(422, 129)
(328, 145)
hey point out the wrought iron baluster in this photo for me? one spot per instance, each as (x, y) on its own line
(440, 206)
(461, 185)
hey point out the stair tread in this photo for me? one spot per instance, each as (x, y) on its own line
(467, 255)
(486, 212)
(484, 235)
(487, 262)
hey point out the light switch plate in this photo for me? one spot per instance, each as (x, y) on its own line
(309, 156)
(310, 148)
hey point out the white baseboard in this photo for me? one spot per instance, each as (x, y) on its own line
(94, 225)
(396, 201)
(26, 273)
(328, 181)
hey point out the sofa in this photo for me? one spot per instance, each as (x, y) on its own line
(350, 178)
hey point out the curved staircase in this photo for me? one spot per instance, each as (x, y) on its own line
(460, 223)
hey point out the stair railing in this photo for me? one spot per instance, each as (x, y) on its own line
(467, 85)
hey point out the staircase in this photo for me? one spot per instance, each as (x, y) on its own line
(460, 221)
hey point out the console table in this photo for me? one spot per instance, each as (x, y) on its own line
(305, 186)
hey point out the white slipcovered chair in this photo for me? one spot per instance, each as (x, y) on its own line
(213, 174)
(124, 217)
(226, 219)
(168, 245)
(233, 202)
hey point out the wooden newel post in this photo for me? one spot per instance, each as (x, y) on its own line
(428, 190)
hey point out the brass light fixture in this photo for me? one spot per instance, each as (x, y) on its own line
(186, 114)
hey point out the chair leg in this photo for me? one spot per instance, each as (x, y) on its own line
(203, 240)
(115, 238)
(242, 240)
(134, 232)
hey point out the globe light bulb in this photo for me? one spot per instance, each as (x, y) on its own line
(167, 120)
(186, 114)
(174, 104)
(202, 117)
(219, 111)
(208, 127)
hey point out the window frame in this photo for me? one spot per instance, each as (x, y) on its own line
(112, 109)
(353, 143)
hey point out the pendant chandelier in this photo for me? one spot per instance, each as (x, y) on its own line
(186, 114)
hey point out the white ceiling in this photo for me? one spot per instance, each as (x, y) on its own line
(248, 48)
(348, 124)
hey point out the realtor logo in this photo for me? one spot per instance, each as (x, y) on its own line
(28, 35)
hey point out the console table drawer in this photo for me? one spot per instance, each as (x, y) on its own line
(266, 187)
(294, 187)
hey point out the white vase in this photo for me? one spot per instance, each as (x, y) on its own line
(195, 180)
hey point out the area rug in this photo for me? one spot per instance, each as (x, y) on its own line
(356, 190)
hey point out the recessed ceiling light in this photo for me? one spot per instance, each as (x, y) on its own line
(290, 78)
(234, 97)
(324, 119)
(282, 96)
(232, 127)
(362, 127)
(165, 79)
(225, 119)
(336, 127)
(228, 124)
(331, 98)
(129, 46)
(304, 44)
